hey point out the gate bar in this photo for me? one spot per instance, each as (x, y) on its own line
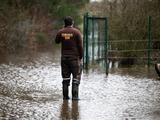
(106, 45)
(149, 40)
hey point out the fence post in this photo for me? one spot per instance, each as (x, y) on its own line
(84, 39)
(86, 33)
(93, 40)
(149, 40)
(106, 45)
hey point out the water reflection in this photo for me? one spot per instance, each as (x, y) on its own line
(70, 110)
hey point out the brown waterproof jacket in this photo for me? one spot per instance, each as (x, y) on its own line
(71, 41)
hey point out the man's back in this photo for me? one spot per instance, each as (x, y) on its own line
(71, 42)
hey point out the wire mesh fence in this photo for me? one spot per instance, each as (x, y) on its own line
(142, 47)
(102, 46)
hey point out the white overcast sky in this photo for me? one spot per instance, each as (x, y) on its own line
(95, 0)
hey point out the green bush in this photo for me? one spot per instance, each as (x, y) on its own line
(41, 38)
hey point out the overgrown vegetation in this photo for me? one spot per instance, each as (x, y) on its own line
(23, 22)
(128, 20)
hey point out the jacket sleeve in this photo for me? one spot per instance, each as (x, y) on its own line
(80, 45)
(58, 38)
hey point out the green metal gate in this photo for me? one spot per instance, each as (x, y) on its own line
(95, 41)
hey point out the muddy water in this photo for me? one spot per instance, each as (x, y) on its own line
(30, 89)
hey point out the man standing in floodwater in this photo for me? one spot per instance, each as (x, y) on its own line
(71, 57)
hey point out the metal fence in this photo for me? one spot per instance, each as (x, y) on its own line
(136, 51)
(101, 50)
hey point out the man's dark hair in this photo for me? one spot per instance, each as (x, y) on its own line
(68, 21)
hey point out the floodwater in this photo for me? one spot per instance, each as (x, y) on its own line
(30, 89)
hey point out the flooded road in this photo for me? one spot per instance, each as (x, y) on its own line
(30, 89)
